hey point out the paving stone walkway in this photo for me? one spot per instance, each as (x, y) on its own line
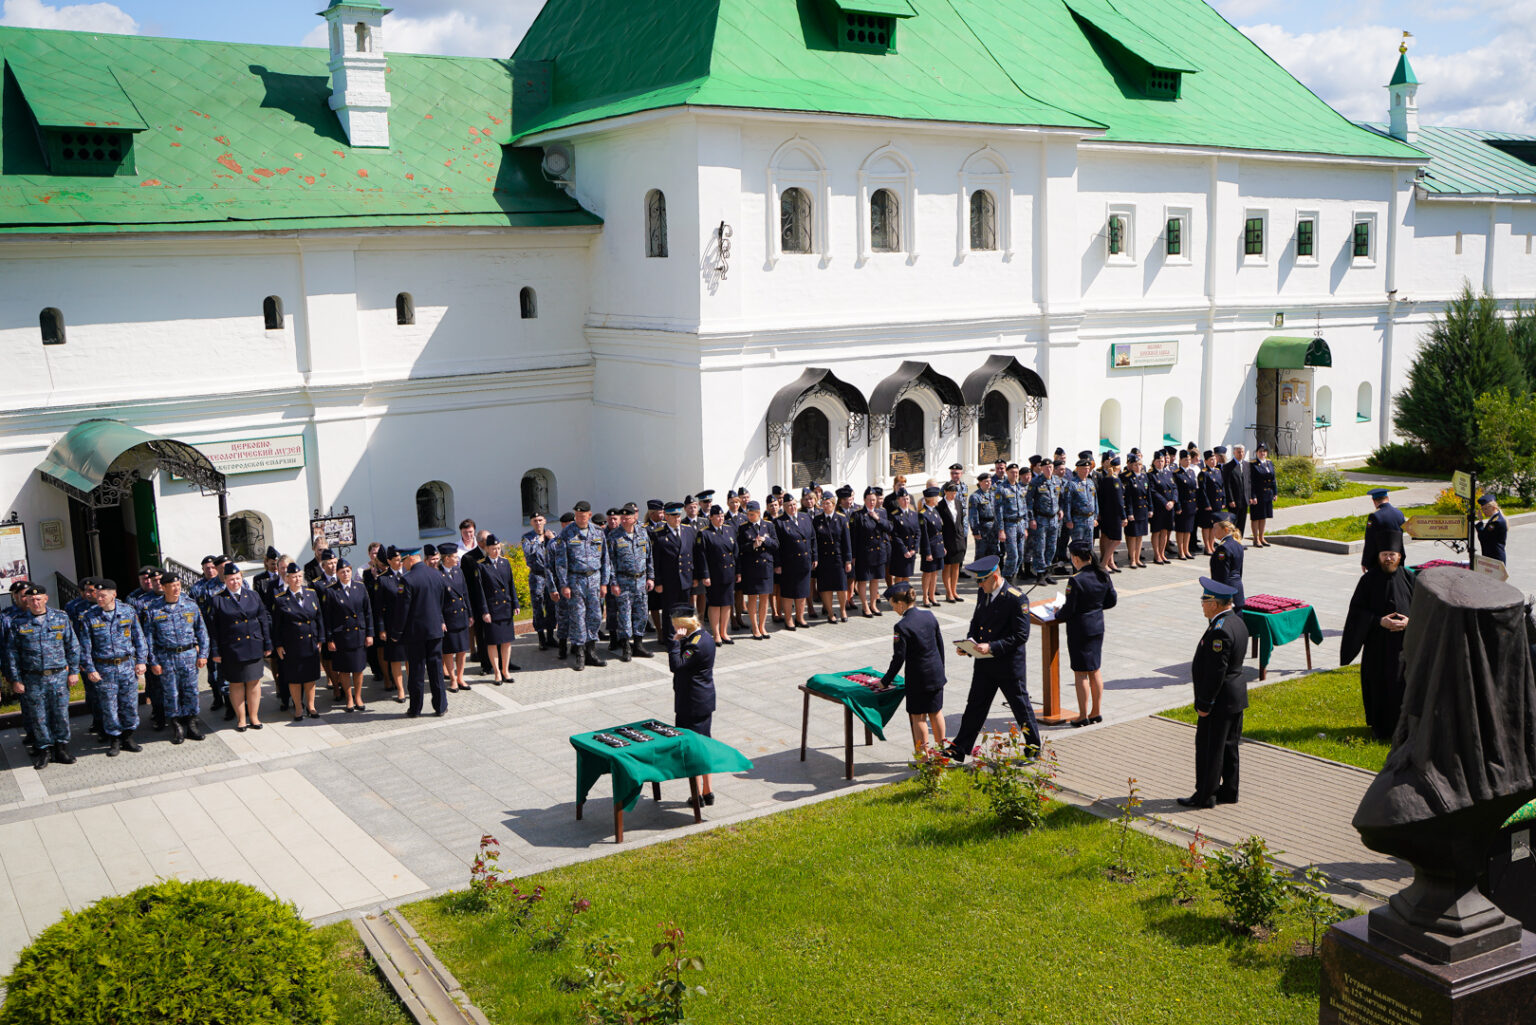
(351, 813)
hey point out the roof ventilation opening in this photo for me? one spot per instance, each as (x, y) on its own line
(866, 26)
(1138, 59)
(88, 152)
(85, 121)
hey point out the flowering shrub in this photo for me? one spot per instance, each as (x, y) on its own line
(1016, 780)
(1191, 868)
(930, 766)
(612, 999)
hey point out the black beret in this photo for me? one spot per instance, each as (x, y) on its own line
(612, 512)
(147, 571)
(1085, 462)
(427, 551)
(777, 490)
(983, 476)
(1060, 451)
(956, 466)
(492, 539)
(214, 558)
(630, 509)
(446, 548)
(1033, 461)
(293, 567)
(600, 519)
(655, 504)
(582, 506)
(567, 517)
(272, 553)
(230, 569)
(34, 589)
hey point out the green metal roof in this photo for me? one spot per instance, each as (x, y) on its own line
(1279, 353)
(1468, 161)
(1003, 62)
(889, 8)
(82, 458)
(1403, 74)
(240, 137)
(65, 94)
(1130, 35)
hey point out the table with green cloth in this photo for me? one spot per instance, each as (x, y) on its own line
(1269, 630)
(685, 756)
(873, 708)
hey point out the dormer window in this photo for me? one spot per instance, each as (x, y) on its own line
(88, 151)
(1131, 52)
(84, 120)
(866, 26)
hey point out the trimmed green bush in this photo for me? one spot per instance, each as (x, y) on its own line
(1295, 476)
(1330, 479)
(208, 952)
(1404, 457)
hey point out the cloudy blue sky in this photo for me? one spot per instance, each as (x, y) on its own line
(1476, 58)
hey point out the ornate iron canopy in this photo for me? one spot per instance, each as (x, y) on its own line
(98, 461)
(787, 403)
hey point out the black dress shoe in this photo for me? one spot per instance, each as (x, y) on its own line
(1079, 723)
(1194, 801)
(412, 715)
(709, 798)
(1223, 799)
(1095, 719)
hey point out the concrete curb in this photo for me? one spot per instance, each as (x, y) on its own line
(1318, 544)
(424, 985)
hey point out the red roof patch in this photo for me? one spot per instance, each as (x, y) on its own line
(228, 160)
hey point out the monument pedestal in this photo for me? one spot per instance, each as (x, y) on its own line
(1379, 982)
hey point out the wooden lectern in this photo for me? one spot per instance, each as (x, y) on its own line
(1050, 668)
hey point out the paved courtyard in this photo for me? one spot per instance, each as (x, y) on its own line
(349, 813)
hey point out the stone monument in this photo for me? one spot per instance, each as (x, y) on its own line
(1463, 760)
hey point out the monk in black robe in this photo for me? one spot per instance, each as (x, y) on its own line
(1378, 612)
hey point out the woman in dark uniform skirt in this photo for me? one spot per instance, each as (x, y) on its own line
(834, 557)
(298, 632)
(756, 544)
(1089, 593)
(348, 632)
(239, 639)
(498, 596)
(1227, 558)
(919, 646)
(930, 545)
(1185, 480)
(457, 616)
(793, 564)
(1138, 510)
(691, 656)
(1163, 496)
(1210, 493)
(906, 533)
(714, 561)
(1111, 511)
(1262, 505)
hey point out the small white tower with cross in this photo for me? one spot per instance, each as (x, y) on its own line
(359, 92)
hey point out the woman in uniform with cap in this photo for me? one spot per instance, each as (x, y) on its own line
(1111, 511)
(1138, 509)
(1163, 495)
(1089, 593)
(1227, 557)
(457, 616)
(714, 556)
(794, 562)
(756, 544)
(1261, 504)
(348, 632)
(298, 634)
(870, 530)
(1185, 481)
(691, 656)
(239, 638)
(906, 533)
(498, 594)
(1210, 493)
(388, 605)
(930, 545)
(834, 557)
(919, 647)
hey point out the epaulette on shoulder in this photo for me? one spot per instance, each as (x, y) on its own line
(1016, 592)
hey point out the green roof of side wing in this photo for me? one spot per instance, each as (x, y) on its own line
(64, 93)
(1003, 62)
(241, 137)
(1130, 35)
(1279, 353)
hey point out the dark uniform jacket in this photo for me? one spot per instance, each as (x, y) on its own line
(297, 624)
(673, 554)
(833, 543)
(1491, 536)
(906, 534)
(1188, 483)
(423, 595)
(268, 586)
(1111, 498)
(1210, 489)
(692, 661)
(469, 563)
(870, 532)
(1379, 526)
(348, 616)
(920, 648)
(1089, 593)
(238, 628)
(1217, 670)
(456, 607)
(387, 606)
(1227, 566)
(715, 554)
(754, 561)
(1001, 619)
(1238, 486)
(1162, 490)
(498, 592)
(930, 545)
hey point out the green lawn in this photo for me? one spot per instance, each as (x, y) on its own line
(361, 995)
(1354, 489)
(1319, 714)
(881, 907)
(1377, 471)
(1352, 528)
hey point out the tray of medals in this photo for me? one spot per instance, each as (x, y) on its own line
(866, 681)
(1269, 603)
(634, 734)
(611, 740)
(661, 729)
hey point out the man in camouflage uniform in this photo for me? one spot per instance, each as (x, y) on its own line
(582, 569)
(1044, 522)
(1012, 520)
(1080, 501)
(633, 570)
(178, 648)
(75, 608)
(981, 517)
(540, 580)
(556, 552)
(149, 591)
(202, 593)
(43, 660)
(113, 657)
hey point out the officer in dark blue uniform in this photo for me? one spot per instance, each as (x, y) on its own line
(906, 537)
(1227, 557)
(1089, 593)
(1385, 521)
(239, 639)
(298, 635)
(919, 647)
(1221, 695)
(1492, 527)
(757, 542)
(457, 616)
(715, 557)
(794, 562)
(422, 594)
(672, 554)
(1000, 629)
(348, 614)
(691, 657)
(870, 530)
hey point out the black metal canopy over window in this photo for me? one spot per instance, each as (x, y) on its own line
(913, 374)
(992, 373)
(813, 381)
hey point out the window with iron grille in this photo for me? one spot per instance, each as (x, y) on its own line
(884, 222)
(272, 312)
(432, 506)
(996, 438)
(1175, 236)
(810, 450)
(1306, 238)
(983, 221)
(528, 304)
(1362, 239)
(795, 221)
(51, 321)
(405, 309)
(1117, 236)
(247, 537)
(655, 224)
(1253, 237)
(907, 438)
(537, 492)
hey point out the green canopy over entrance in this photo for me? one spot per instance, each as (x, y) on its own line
(1279, 353)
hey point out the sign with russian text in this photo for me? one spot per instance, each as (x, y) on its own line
(1135, 355)
(255, 455)
(13, 554)
(1492, 567)
(339, 531)
(1436, 528)
(1461, 483)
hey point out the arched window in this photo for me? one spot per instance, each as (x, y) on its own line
(364, 38)
(51, 320)
(528, 303)
(248, 536)
(433, 507)
(810, 448)
(405, 309)
(538, 493)
(1173, 421)
(655, 223)
(884, 222)
(1363, 402)
(983, 220)
(1322, 413)
(995, 428)
(907, 431)
(272, 312)
(1109, 425)
(795, 221)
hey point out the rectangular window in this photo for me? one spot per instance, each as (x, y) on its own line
(1362, 240)
(1117, 236)
(1253, 237)
(1175, 236)
(1306, 238)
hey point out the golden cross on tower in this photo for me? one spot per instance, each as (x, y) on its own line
(1403, 46)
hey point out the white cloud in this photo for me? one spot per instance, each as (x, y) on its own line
(1349, 67)
(452, 30)
(77, 17)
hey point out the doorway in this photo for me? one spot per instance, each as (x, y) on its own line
(129, 535)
